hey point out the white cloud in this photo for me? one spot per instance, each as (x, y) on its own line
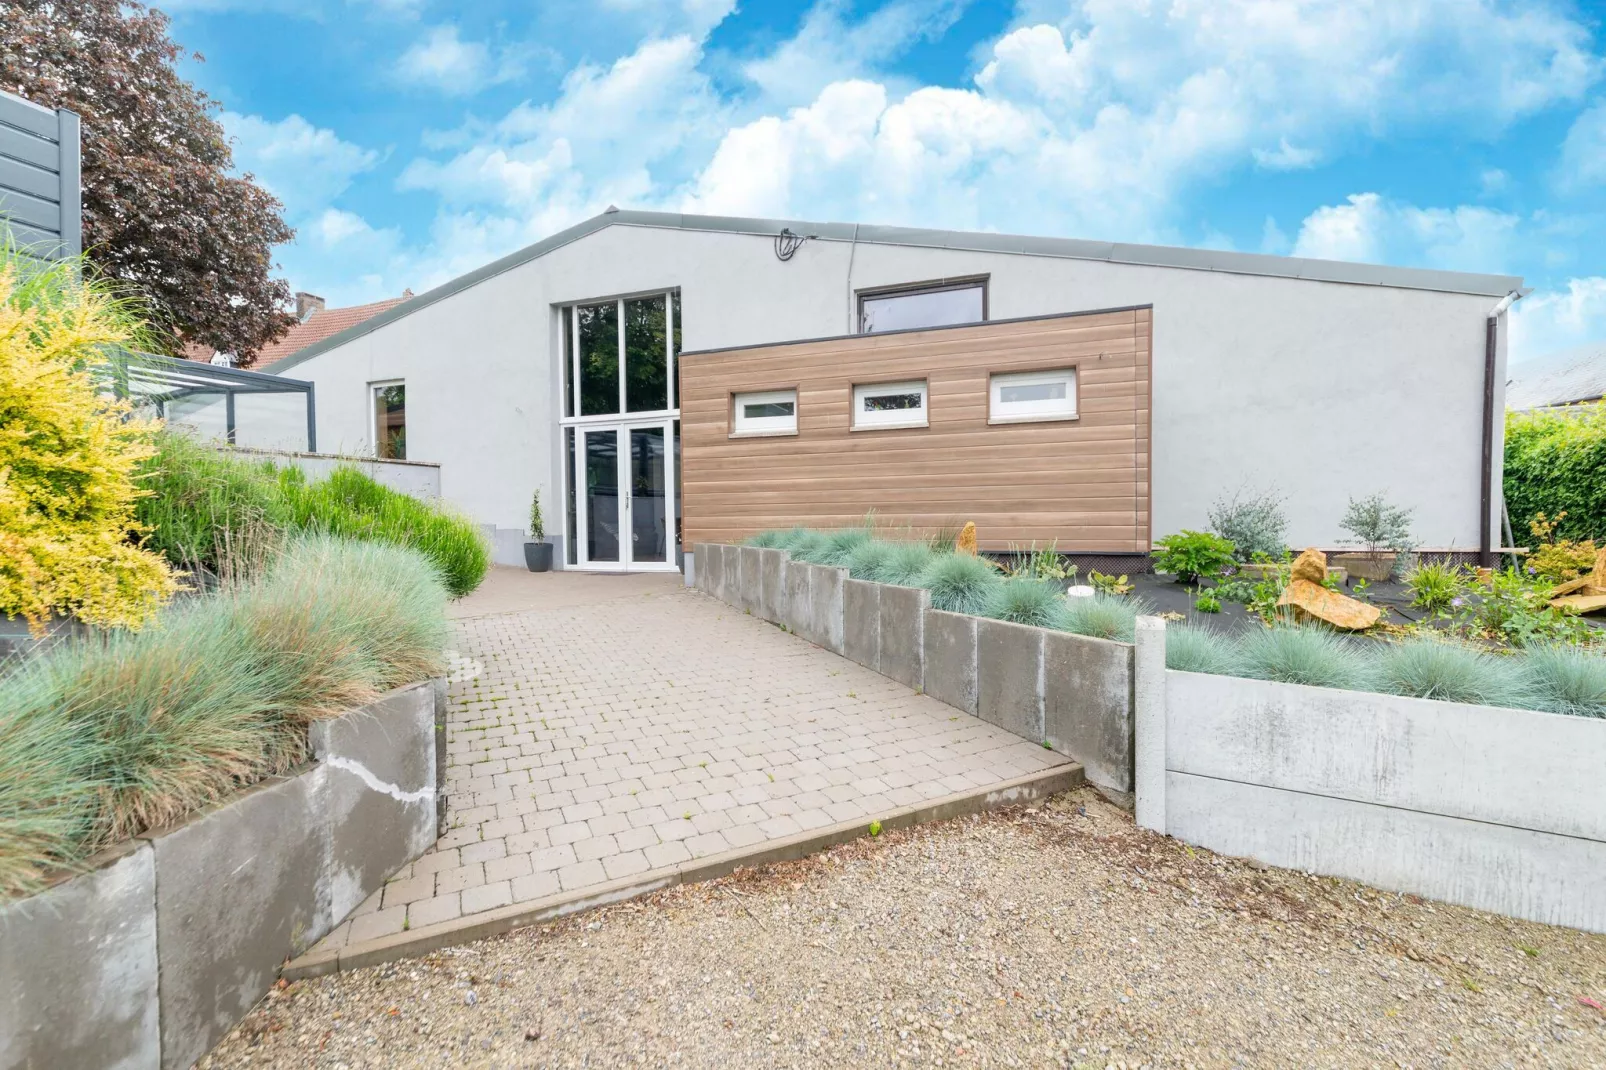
(1493, 180)
(442, 60)
(829, 48)
(1370, 229)
(305, 166)
(1583, 154)
(1547, 322)
(1285, 157)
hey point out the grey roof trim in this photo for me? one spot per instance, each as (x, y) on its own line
(916, 330)
(1495, 286)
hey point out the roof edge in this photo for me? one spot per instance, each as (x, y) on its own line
(1228, 262)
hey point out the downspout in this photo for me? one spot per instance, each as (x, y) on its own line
(1491, 335)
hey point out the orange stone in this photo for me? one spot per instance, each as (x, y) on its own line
(1310, 566)
(1313, 601)
(967, 539)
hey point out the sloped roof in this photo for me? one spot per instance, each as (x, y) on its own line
(324, 323)
(1564, 378)
(1494, 286)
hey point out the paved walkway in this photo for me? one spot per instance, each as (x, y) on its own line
(607, 726)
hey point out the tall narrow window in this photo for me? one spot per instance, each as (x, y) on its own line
(647, 354)
(933, 305)
(599, 358)
(390, 421)
(568, 361)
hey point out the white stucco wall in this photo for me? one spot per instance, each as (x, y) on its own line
(1324, 390)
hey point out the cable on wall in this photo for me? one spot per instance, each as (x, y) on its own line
(787, 244)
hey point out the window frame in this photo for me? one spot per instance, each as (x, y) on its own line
(889, 419)
(569, 347)
(761, 426)
(374, 388)
(1024, 413)
(928, 286)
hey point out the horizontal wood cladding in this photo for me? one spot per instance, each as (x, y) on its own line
(1083, 483)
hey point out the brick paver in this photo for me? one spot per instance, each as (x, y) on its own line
(604, 730)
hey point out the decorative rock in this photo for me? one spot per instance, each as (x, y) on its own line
(1341, 611)
(1080, 590)
(967, 539)
(1310, 566)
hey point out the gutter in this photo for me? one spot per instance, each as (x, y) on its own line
(1491, 336)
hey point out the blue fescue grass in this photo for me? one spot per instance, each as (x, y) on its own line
(905, 564)
(960, 583)
(809, 546)
(1447, 671)
(104, 737)
(765, 540)
(1569, 680)
(1103, 616)
(838, 546)
(866, 561)
(1200, 648)
(1303, 654)
(1026, 601)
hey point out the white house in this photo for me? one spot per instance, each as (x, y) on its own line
(1322, 379)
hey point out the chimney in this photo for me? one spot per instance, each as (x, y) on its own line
(307, 304)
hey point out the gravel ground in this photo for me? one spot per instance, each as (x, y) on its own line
(1056, 936)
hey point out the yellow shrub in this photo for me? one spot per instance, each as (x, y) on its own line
(67, 457)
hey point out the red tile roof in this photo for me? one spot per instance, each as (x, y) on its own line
(319, 325)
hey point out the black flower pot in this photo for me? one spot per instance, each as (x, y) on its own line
(538, 556)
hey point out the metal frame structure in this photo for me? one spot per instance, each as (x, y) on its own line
(159, 381)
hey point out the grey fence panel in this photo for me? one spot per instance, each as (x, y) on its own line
(39, 176)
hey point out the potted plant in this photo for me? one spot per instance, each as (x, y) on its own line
(537, 552)
(1383, 529)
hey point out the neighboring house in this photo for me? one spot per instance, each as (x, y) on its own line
(1148, 382)
(39, 177)
(1559, 380)
(314, 323)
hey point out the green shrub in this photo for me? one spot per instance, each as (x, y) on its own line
(352, 505)
(209, 510)
(1190, 555)
(1199, 649)
(1434, 586)
(960, 583)
(1564, 679)
(904, 565)
(1377, 525)
(103, 738)
(866, 560)
(1556, 462)
(1028, 601)
(1253, 523)
(1447, 671)
(1303, 654)
(1103, 616)
(1206, 601)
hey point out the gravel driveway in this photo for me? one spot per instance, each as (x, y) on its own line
(1056, 936)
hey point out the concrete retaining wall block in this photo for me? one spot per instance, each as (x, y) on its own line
(950, 659)
(861, 622)
(1087, 705)
(1009, 677)
(902, 634)
(749, 595)
(700, 575)
(799, 615)
(772, 585)
(238, 890)
(78, 970)
(825, 614)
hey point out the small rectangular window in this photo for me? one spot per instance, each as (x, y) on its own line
(889, 405)
(765, 412)
(390, 421)
(913, 307)
(1024, 396)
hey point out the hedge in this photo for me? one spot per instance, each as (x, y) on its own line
(1556, 462)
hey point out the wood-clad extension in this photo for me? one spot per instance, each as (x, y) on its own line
(1082, 483)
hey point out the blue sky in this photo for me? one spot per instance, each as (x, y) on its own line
(413, 140)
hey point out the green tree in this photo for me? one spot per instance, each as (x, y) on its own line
(161, 211)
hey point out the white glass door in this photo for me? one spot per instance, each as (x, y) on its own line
(625, 475)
